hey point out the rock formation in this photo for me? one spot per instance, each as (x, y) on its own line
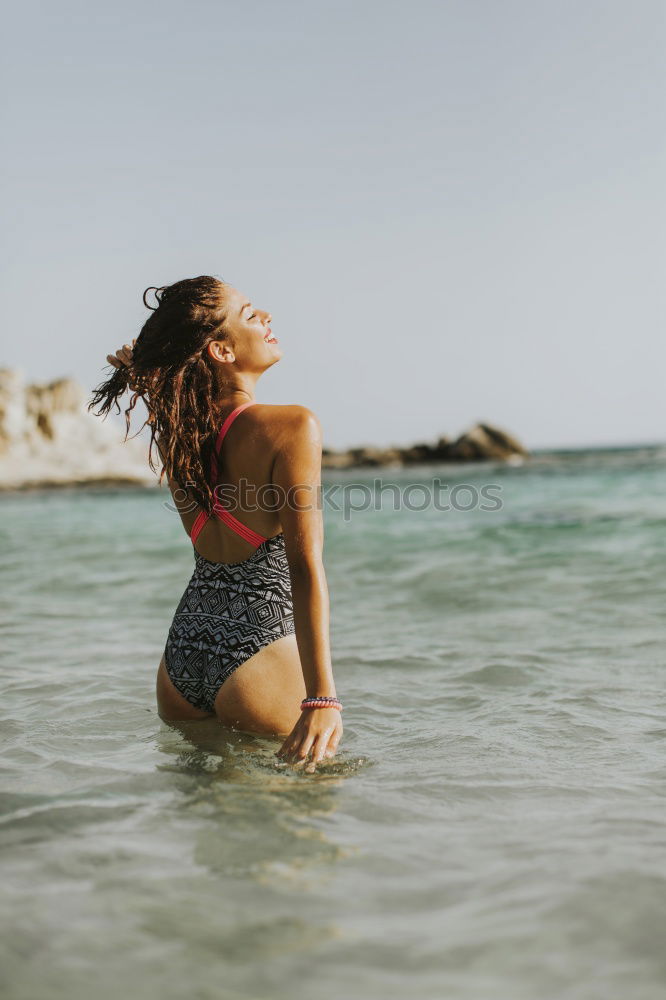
(481, 443)
(49, 438)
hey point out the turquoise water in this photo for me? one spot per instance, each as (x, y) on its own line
(492, 826)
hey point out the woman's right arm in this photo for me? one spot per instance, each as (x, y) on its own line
(297, 477)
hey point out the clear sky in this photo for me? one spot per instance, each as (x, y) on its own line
(454, 209)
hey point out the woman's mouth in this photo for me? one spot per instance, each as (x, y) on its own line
(269, 338)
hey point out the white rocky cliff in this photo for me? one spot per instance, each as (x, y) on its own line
(48, 438)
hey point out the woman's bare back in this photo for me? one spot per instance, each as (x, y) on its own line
(264, 692)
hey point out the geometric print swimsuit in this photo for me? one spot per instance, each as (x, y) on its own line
(229, 611)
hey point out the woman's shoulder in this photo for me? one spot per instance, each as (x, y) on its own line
(292, 415)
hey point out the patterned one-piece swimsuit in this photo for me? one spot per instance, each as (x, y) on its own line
(229, 611)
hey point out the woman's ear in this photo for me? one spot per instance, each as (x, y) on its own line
(218, 350)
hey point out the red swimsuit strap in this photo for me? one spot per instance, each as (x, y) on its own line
(223, 515)
(220, 438)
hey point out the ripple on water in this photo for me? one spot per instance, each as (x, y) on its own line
(491, 827)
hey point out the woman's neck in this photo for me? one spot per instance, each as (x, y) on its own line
(230, 400)
(237, 393)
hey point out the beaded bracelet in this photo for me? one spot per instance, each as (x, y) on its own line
(322, 702)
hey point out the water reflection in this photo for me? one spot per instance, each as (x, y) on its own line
(248, 813)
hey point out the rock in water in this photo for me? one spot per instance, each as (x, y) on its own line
(49, 438)
(482, 442)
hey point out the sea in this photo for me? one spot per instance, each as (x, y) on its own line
(493, 826)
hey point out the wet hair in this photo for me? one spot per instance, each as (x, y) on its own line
(172, 373)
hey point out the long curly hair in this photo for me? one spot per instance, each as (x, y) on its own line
(172, 373)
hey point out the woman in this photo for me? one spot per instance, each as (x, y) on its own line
(249, 641)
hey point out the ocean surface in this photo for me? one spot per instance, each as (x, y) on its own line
(493, 825)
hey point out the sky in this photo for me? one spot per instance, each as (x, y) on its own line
(454, 210)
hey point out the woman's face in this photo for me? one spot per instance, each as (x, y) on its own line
(251, 345)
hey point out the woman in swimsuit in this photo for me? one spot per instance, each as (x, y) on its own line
(250, 636)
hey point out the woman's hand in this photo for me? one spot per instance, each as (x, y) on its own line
(122, 357)
(318, 731)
